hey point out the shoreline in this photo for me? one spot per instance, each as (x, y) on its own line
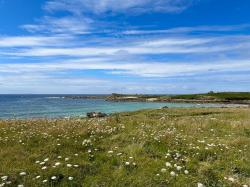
(247, 102)
(67, 108)
(211, 97)
(225, 106)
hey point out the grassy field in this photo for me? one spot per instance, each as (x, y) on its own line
(167, 147)
(228, 96)
(222, 97)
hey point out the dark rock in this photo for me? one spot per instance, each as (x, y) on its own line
(165, 107)
(96, 115)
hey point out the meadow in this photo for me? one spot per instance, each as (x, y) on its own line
(210, 97)
(165, 147)
(222, 96)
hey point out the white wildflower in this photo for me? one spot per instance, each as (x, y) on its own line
(42, 163)
(22, 173)
(57, 163)
(172, 173)
(163, 170)
(127, 163)
(178, 168)
(4, 178)
(186, 172)
(168, 164)
(200, 185)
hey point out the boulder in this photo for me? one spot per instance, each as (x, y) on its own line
(96, 115)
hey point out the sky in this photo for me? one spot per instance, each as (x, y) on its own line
(124, 46)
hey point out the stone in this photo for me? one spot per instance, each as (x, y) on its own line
(96, 115)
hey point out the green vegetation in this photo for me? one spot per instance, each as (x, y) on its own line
(220, 96)
(226, 97)
(167, 147)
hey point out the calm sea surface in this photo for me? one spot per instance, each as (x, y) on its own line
(52, 106)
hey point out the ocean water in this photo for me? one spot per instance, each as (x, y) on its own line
(54, 106)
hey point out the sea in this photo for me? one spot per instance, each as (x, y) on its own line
(57, 106)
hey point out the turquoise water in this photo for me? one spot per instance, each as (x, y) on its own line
(53, 106)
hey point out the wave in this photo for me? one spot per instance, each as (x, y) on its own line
(54, 97)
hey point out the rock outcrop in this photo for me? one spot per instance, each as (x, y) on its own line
(96, 115)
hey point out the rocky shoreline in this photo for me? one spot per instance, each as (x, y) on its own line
(165, 99)
(172, 100)
(245, 102)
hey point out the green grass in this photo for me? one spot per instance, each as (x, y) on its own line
(209, 97)
(211, 144)
(221, 96)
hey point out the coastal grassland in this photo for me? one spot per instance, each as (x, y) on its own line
(165, 147)
(223, 96)
(210, 97)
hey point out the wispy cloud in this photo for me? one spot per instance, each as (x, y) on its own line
(84, 16)
(118, 6)
(64, 25)
(180, 30)
(143, 68)
(72, 46)
(145, 46)
(32, 41)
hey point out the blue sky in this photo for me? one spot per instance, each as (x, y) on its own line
(125, 46)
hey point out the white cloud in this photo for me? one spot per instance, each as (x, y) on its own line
(180, 30)
(65, 25)
(76, 42)
(42, 83)
(32, 41)
(150, 46)
(118, 6)
(39, 84)
(142, 69)
(87, 15)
